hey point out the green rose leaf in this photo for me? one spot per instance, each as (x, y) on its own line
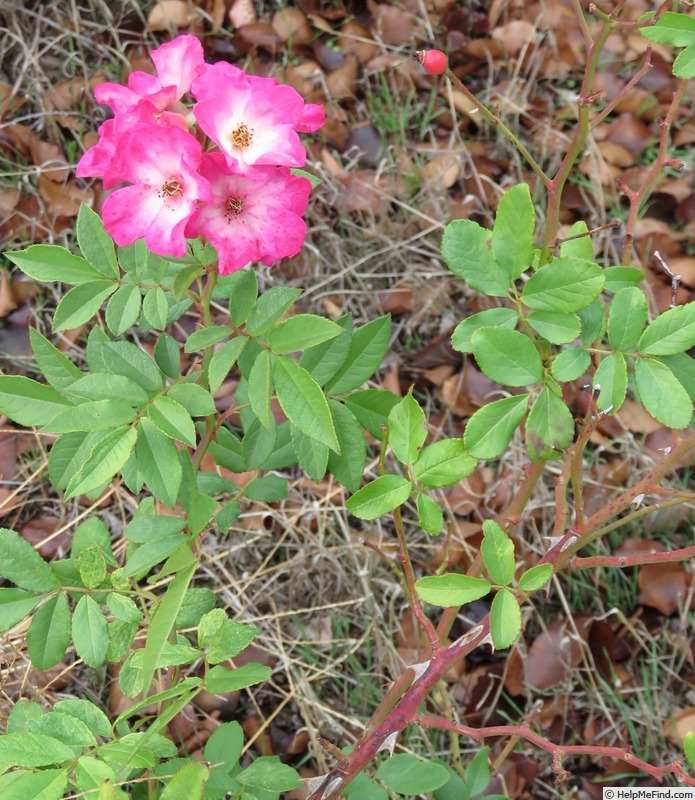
(15, 605)
(671, 332)
(223, 360)
(33, 750)
(50, 263)
(535, 577)
(269, 308)
(406, 429)
(301, 398)
(123, 309)
(498, 553)
(462, 337)
(593, 319)
(556, 328)
(662, 394)
(689, 747)
(92, 415)
(444, 463)
(172, 419)
(158, 462)
(512, 234)
(312, 455)
(671, 28)
(96, 245)
(324, 360)
(300, 332)
(683, 367)
(466, 250)
(104, 461)
(430, 515)
(611, 376)
(549, 427)
(565, 285)
(348, 467)
(56, 368)
(220, 680)
(580, 246)
(207, 337)
(21, 564)
(505, 619)
(491, 428)
(367, 348)
(379, 497)
(627, 317)
(371, 408)
(260, 388)
(407, 775)
(451, 589)
(155, 309)
(27, 402)
(92, 566)
(80, 304)
(570, 364)
(90, 632)
(269, 774)
(618, 278)
(507, 357)
(49, 635)
(188, 782)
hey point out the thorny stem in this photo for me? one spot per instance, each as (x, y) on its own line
(635, 515)
(639, 195)
(559, 752)
(593, 527)
(497, 122)
(675, 279)
(381, 731)
(622, 562)
(576, 460)
(562, 511)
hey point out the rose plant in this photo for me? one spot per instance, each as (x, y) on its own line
(198, 192)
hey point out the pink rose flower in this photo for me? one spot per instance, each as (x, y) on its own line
(254, 217)
(102, 160)
(254, 121)
(162, 164)
(177, 63)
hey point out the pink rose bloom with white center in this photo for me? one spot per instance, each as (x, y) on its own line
(254, 217)
(254, 121)
(162, 165)
(102, 160)
(177, 63)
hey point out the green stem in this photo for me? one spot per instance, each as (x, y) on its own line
(205, 301)
(424, 621)
(581, 134)
(497, 122)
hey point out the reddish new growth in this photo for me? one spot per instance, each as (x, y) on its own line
(434, 61)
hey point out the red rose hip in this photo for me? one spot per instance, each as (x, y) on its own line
(434, 61)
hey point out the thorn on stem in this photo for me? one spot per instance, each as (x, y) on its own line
(675, 279)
